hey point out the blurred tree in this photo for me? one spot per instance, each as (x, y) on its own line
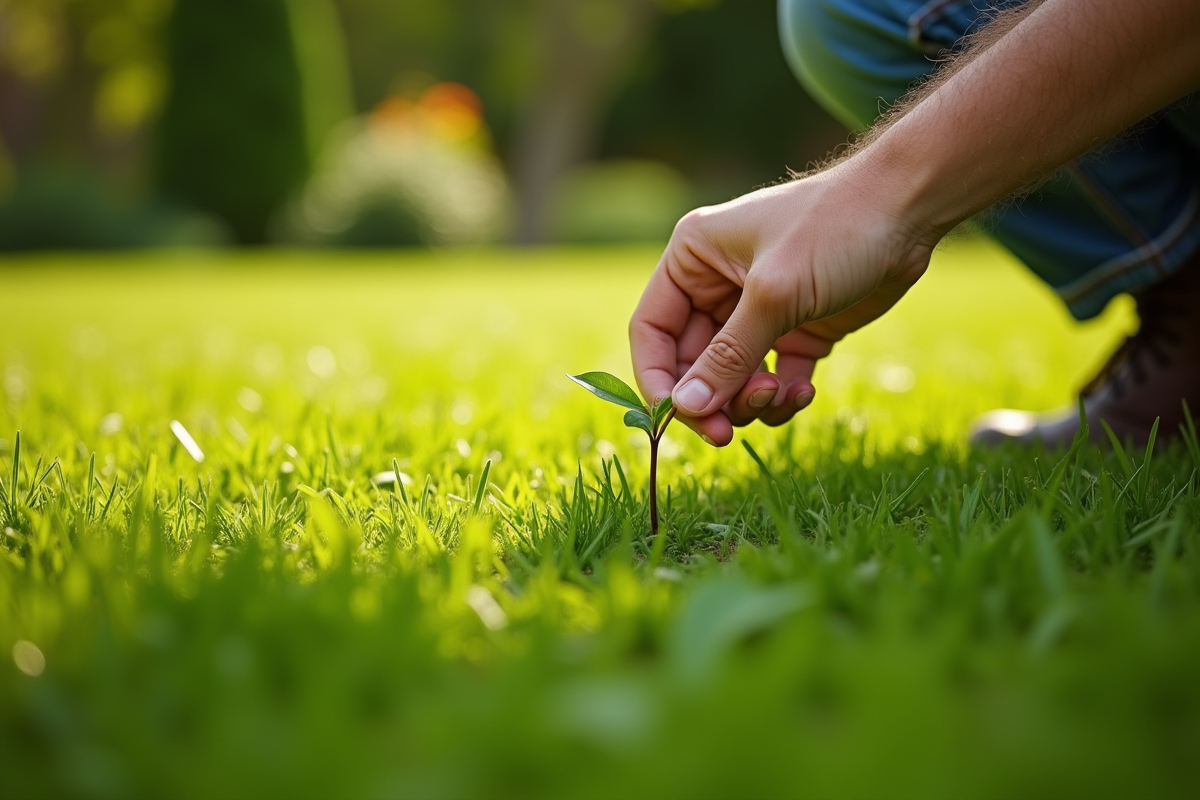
(548, 71)
(233, 137)
(582, 46)
(697, 84)
(325, 73)
(79, 81)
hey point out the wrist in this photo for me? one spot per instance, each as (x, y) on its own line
(885, 207)
(908, 181)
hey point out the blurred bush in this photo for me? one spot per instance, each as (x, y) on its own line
(619, 201)
(324, 70)
(233, 137)
(64, 210)
(417, 170)
(80, 81)
(226, 105)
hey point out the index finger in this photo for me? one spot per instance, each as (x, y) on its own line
(654, 330)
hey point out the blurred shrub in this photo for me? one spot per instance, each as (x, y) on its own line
(61, 210)
(620, 201)
(415, 171)
(324, 69)
(232, 138)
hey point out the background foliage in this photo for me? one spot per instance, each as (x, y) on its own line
(233, 138)
(123, 115)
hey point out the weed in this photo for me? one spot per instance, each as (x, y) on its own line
(639, 415)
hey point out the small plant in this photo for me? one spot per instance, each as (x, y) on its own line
(639, 415)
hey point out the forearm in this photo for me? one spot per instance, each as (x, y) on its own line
(1068, 76)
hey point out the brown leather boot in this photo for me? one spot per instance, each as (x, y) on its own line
(1150, 376)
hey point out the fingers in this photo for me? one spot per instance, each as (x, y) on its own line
(775, 399)
(697, 333)
(754, 399)
(798, 352)
(727, 363)
(666, 334)
(793, 398)
(715, 429)
(669, 337)
(654, 331)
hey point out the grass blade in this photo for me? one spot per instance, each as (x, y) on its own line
(1146, 461)
(911, 487)
(481, 489)
(1118, 450)
(758, 460)
(1190, 439)
(16, 476)
(40, 479)
(90, 503)
(399, 485)
(625, 493)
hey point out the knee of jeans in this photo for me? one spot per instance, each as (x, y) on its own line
(844, 53)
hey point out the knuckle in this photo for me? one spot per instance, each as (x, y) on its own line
(691, 227)
(689, 221)
(729, 358)
(764, 288)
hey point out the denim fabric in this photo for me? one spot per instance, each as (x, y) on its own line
(1117, 220)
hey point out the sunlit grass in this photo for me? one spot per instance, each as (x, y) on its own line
(233, 596)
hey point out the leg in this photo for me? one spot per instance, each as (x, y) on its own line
(1124, 219)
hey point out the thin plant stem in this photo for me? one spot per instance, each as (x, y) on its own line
(653, 485)
(654, 439)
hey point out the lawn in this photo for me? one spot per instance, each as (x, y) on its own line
(214, 584)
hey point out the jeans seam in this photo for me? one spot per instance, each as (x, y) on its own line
(1111, 210)
(1151, 253)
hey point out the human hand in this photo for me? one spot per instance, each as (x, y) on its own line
(791, 268)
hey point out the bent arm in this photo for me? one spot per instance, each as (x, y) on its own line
(796, 267)
(1066, 77)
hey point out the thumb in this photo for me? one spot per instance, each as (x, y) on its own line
(733, 355)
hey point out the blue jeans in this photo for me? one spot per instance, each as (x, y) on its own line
(1117, 220)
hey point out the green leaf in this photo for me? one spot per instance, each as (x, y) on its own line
(639, 419)
(610, 388)
(660, 411)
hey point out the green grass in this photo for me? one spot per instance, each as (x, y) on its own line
(872, 610)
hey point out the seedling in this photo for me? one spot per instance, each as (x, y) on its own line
(639, 415)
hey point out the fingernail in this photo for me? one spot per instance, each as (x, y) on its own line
(694, 396)
(803, 399)
(708, 441)
(762, 397)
